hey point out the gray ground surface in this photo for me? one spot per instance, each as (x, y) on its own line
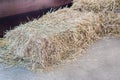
(102, 62)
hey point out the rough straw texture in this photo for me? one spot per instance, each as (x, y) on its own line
(58, 35)
(97, 5)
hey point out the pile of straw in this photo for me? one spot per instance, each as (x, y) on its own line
(97, 5)
(58, 35)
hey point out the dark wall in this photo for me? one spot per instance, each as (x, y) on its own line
(9, 22)
(13, 7)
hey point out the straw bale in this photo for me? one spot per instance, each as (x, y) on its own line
(52, 38)
(58, 35)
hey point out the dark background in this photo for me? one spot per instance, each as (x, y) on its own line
(9, 22)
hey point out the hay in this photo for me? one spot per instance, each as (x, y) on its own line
(46, 45)
(97, 5)
(56, 36)
(51, 41)
(2, 42)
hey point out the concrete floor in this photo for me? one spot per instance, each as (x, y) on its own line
(102, 62)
